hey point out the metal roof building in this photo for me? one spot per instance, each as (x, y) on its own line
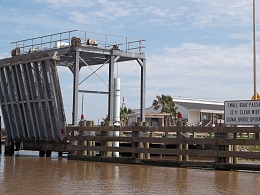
(194, 111)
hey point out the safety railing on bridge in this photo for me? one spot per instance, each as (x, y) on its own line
(206, 147)
(85, 38)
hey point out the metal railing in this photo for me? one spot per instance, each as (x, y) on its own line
(63, 39)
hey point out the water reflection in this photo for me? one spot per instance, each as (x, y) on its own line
(182, 176)
(25, 174)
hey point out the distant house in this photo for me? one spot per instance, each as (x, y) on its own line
(194, 111)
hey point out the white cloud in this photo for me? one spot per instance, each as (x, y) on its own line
(60, 4)
(209, 71)
(216, 13)
(195, 48)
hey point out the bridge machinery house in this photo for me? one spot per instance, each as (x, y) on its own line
(194, 111)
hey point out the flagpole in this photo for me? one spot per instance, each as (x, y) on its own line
(254, 34)
(254, 37)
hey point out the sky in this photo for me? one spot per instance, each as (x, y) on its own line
(194, 48)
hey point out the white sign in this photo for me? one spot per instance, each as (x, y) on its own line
(242, 112)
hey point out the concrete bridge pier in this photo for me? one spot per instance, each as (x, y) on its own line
(42, 153)
(59, 154)
(9, 147)
(48, 153)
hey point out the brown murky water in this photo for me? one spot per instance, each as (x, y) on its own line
(26, 173)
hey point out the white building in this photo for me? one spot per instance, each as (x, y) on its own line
(194, 111)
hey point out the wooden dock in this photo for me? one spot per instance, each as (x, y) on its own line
(203, 147)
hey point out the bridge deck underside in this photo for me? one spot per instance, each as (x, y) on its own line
(31, 101)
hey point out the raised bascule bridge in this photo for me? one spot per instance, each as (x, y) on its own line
(31, 99)
(34, 118)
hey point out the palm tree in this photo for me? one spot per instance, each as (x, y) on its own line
(123, 112)
(166, 104)
(123, 118)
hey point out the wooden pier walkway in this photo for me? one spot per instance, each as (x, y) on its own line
(203, 147)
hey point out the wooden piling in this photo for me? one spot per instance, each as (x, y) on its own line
(235, 149)
(80, 143)
(230, 148)
(84, 143)
(146, 144)
(74, 143)
(134, 144)
(108, 143)
(194, 134)
(179, 146)
(220, 159)
(186, 147)
(140, 144)
(91, 143)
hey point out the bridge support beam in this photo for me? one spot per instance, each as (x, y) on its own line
(75, 88)
(75, 94)
(142, 63)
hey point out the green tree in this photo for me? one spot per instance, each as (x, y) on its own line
(167, 105)
(123, 118)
